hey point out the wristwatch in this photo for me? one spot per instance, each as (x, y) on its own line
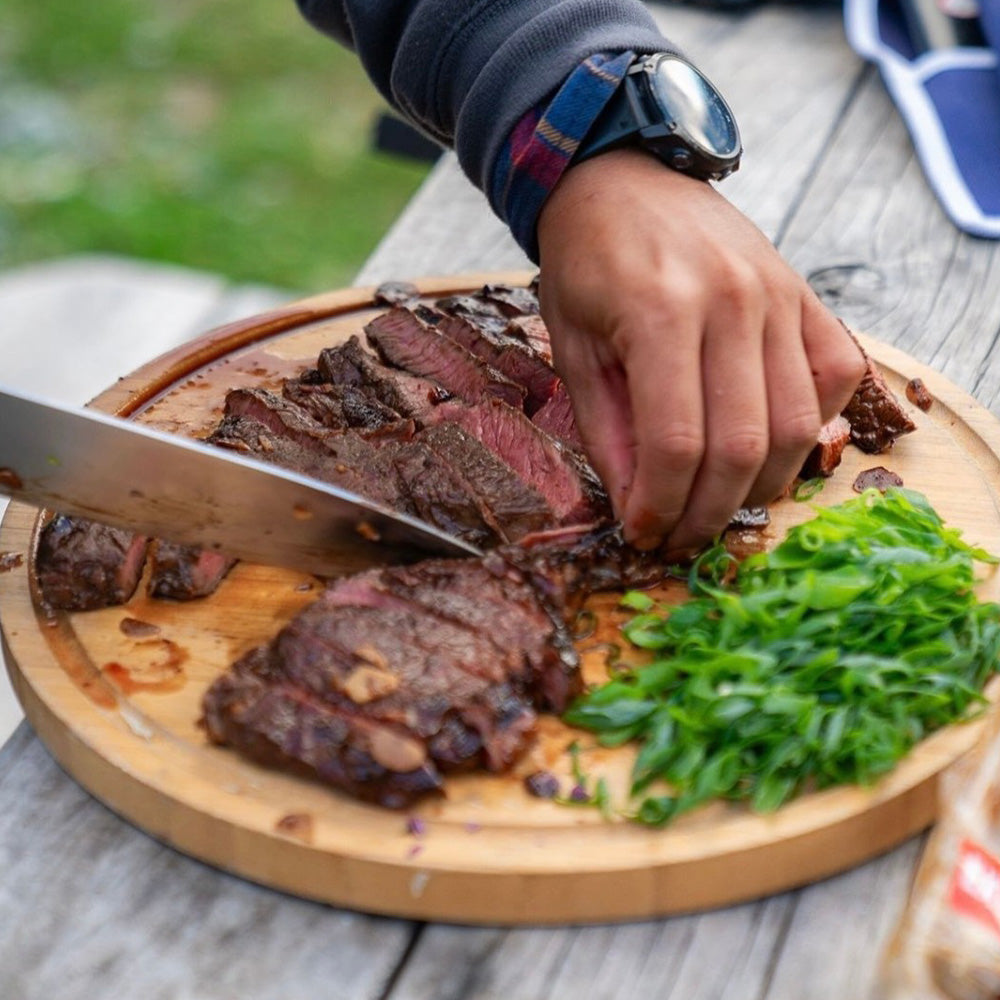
(668, 107)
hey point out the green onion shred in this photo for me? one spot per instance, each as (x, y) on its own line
(819, 663)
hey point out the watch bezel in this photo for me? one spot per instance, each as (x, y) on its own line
(666, 136)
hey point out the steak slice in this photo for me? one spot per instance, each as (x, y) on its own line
(533, 331)
(82, 565)
(556, 418)
(826, 455)
(508, 504)
(343, 458)
(513, 357)
(511, 300)
(409, 395)
(341, 406)
(876, 416)
(439, 495)
(184, 572)
(396, 676)
(564, 479)
(406, 341)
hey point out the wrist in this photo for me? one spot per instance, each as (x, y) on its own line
(541, 146)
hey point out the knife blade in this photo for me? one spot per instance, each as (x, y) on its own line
(84, 462)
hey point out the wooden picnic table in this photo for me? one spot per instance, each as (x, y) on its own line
(92, 907)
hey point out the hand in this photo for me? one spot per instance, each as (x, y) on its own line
(700, 365)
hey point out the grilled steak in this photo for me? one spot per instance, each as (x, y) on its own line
(340, 406)
(397, 676)
(876, 416)
(556, 418)
(510, 355)
(408, 395)
(403, 339)
(183, 572)
(508, 504)
(82, 565)
(569, 485)
(825, 457)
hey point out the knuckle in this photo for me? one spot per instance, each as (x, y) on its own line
(796, 432)
(678, 447)
(742, 450)
(738, 283)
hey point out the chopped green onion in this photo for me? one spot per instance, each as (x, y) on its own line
(822, 662)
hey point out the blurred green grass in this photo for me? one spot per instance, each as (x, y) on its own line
(223, 135)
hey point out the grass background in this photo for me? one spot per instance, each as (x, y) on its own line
(221, 134)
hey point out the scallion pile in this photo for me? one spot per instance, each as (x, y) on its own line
(821, 662)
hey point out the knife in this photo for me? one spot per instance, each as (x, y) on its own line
(84, 462)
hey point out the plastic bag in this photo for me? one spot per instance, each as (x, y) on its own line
(947, 943)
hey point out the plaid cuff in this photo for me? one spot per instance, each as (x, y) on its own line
(542, 144)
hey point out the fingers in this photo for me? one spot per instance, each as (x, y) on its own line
(603, 413)
(664, 370)
(734, 406)
(836, 362)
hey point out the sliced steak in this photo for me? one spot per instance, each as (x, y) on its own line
(82, 565)
(569, 485)
(533, 331)
(343, 458)
(511, 300)
(406, 341)
(440, 495)
(876, 416)
(556, 418)
(507, 503)
(825, 457)
(340, 406)
(409, 395)
(396, 293)
(513, 357)
(184, 572)
(395, 676)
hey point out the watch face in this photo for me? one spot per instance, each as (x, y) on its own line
(695, 107)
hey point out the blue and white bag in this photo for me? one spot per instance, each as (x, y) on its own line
(950, 101)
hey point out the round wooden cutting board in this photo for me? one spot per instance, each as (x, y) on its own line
(115, 695)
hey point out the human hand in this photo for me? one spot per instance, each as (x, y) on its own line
(700, 365)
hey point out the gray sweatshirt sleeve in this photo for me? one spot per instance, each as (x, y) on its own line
(465, 71)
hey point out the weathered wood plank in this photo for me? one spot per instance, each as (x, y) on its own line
(879, 249)
(787, 106)
(91, 907)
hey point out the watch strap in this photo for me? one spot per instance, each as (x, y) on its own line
(543, 143)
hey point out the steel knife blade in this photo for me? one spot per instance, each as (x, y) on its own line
(85, 462)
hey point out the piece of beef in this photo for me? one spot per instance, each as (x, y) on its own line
(418, 477)
(511, 300)
(408, 395)
(564, 479)
(398, 675)
(568, 564)
(406, 341)
(184, 572)
(825, 457)
(440, 495)
(514, 358)
(533, 331)
(556, 418)
(507, 503)
(477, 310)
(82, 565)
(340, 406)
(876, 416)
(344, 458)
(396, 293)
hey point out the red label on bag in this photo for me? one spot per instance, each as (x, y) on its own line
(975, 885)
